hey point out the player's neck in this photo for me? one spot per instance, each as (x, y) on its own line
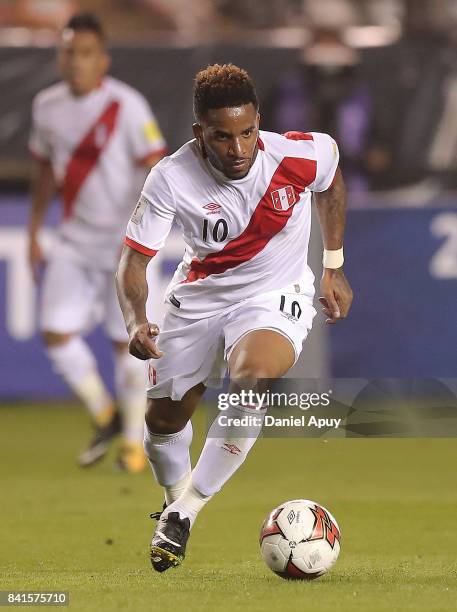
(87, 92)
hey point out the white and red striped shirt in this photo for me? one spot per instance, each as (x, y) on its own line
(243, 237)
(97, 145)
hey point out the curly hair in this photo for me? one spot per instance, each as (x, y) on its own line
(222, 86)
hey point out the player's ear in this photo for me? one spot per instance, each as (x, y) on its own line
(197, 130)
(106, 62)
(198, 133)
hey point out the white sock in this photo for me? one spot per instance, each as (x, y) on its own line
(219, 460)
(130, 382)
(169, 458)
(225, 449)
(76, 364)
(173, 492)
(189, 503)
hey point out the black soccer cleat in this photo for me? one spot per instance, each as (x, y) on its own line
(168, 545)
(99, 444)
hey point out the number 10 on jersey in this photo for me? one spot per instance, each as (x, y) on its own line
(218, 232)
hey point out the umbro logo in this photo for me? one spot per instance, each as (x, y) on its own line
(231, 448)
(212, 208)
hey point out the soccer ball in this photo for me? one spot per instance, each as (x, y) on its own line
(300, 539)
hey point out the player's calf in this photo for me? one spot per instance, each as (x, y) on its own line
(73, 359)
(168, 456)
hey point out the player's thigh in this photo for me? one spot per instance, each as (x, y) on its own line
(261, 353)
(67, 298)
(165, 416)
(266, 334)
(113, 320)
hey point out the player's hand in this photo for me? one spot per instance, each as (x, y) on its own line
(336, 295)
(36, 258)
(142, 344)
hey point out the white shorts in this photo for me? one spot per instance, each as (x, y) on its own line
(197, 350)
(75, 299)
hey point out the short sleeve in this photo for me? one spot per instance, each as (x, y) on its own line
(145, 136)
(39, 141)
(327, 158)
(153, 215)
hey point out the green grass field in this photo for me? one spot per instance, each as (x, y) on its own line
(88, 532)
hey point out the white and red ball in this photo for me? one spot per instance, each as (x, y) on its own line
(300, 539)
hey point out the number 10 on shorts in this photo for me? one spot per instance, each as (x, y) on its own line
(292, 310)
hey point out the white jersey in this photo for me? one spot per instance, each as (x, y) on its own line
(243, 237)
(97, 145)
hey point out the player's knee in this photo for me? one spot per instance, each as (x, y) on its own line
(163, 426)
(251, 370)
(163, 422)
(55, 339)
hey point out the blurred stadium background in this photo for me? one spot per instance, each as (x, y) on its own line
(379, 75)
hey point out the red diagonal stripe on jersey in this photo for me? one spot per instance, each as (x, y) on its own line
(87, 154)
(298, 136)
(264, 224)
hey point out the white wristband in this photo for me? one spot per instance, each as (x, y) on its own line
(333, 259)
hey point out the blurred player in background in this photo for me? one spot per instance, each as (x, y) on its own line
(92, 137)
(243, 294)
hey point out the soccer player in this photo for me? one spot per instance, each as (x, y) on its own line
(92, 138)
(243, 294)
